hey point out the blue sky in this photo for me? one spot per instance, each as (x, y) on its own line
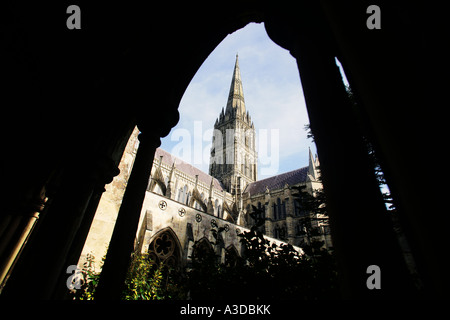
(273, 96)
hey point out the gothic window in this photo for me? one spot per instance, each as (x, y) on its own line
(188, 197)
(231, 257)
(278, 210)
(263, 208)
(164, 249)
(296, 207)
(280, 233)
(183, 194)
(283, 233)
(216, 208)
(219, 211)
(180, 194)
(202, 251)
(275, 214)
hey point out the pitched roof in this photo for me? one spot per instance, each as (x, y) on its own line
(278, 181)
(188, 169)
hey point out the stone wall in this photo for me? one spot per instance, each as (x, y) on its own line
(109, 205)
(160, 214)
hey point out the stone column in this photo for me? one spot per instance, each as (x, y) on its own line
(362, 232)
(60, 234)
(122, 241)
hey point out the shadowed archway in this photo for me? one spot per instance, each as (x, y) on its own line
(116, 80)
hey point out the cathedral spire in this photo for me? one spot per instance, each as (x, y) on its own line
(236, 96)
(234, 159)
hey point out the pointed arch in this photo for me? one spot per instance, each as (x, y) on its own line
(231, 256)
(165, 248)
(203, 251)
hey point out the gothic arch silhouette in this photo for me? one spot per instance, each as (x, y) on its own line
(112, 69)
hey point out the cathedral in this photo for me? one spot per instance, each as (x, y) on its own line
(183, 204)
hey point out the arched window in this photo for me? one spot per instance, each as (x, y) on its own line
(279, 209)
(275, 233)
(275, 213)
(297, 207)
(202, 252)
(231, 256)
(283, 210)
(188, 197)
(180, 194)
(164, 249)
(216, 208)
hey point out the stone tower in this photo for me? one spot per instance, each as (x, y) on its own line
(233, 152)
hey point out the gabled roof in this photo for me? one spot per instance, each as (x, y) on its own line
(188, 169)
(278, 181)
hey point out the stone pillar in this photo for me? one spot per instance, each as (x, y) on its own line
(16, 227)
(362, 232)
(59, 236)
(103, 171)
(361, 229)
(122, 241)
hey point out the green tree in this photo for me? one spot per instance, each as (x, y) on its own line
(144, 280)
(265, 271)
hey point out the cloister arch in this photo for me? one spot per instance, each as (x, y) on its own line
(111, 68)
